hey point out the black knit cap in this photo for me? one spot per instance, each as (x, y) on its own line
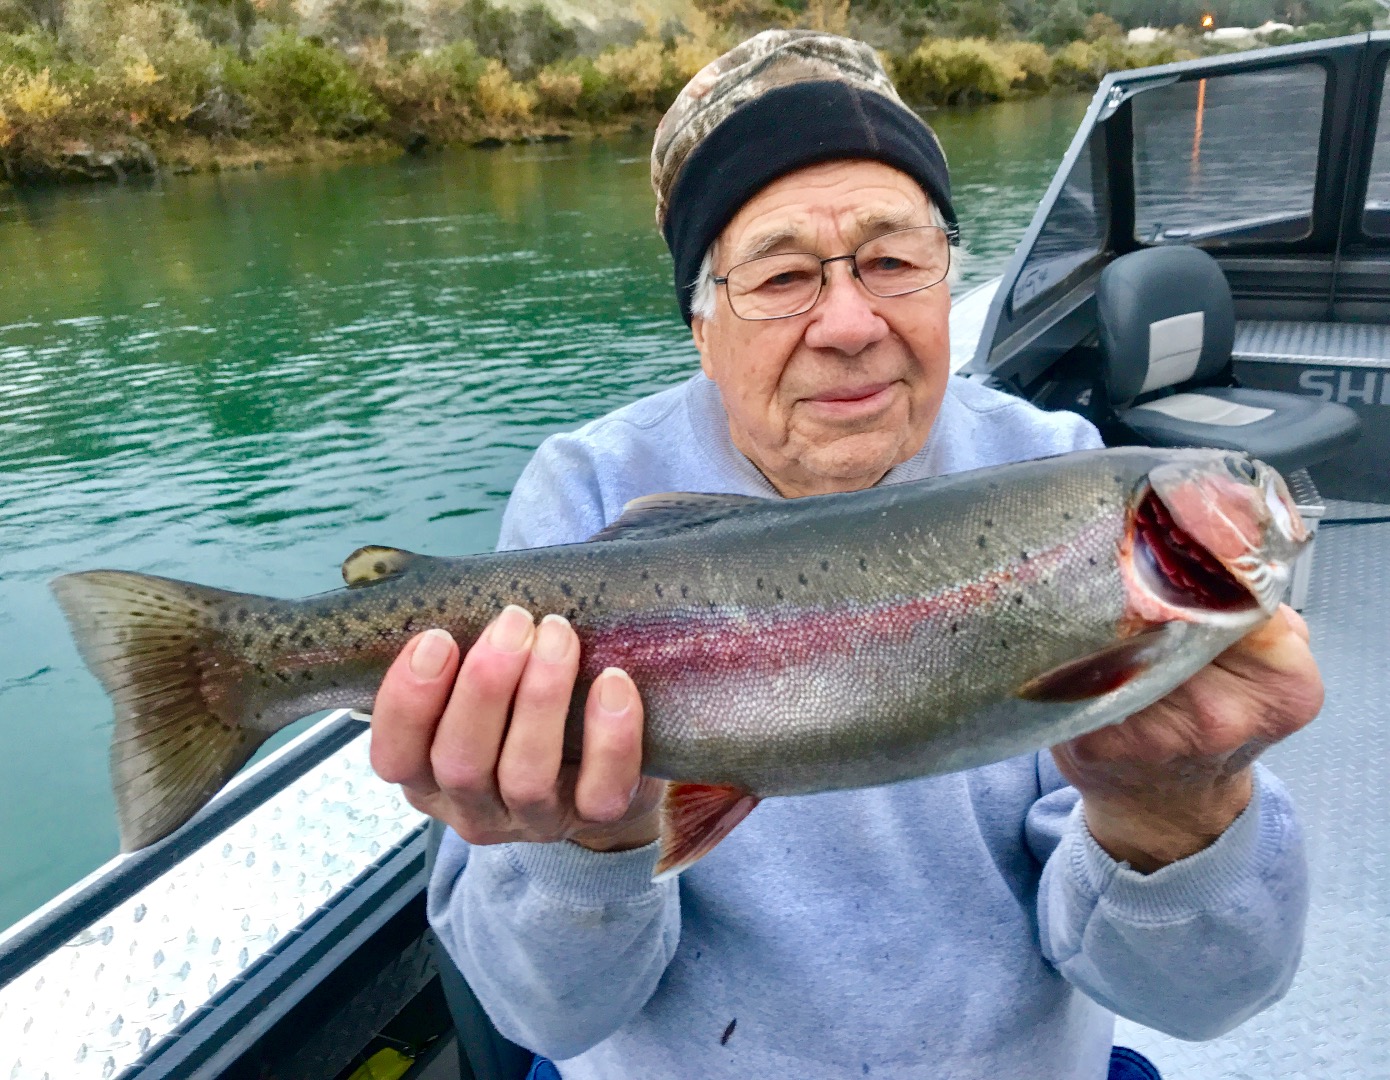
(781, 130)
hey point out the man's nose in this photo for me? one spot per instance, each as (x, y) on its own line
(844, 319)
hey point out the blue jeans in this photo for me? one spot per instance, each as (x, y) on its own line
(1125, 1064)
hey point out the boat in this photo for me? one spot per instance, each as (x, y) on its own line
(281, 933)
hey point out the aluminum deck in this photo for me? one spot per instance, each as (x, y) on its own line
(1333, 1023)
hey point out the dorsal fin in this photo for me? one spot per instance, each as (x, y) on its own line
(370, 564)
(673, 512)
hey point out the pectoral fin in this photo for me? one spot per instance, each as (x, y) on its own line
(694, 818)
(1101, 672)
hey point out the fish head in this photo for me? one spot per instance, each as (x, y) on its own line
(1212, 536)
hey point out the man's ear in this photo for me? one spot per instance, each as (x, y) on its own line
(697, 332)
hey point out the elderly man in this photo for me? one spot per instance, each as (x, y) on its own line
(982, 924)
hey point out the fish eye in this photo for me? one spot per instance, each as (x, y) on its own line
(1242, 468)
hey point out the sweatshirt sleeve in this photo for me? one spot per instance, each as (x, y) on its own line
(1191, 950)
(561, 945)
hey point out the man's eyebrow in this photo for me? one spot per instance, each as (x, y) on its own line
(868, 226)
(768, 243)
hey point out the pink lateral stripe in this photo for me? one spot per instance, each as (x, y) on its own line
(694, 642)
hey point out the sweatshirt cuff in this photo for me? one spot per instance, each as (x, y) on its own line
(1213, 879)
(571, 874)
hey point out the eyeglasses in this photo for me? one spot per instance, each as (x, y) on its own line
(895, 264)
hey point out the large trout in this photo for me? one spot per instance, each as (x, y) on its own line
(781, 647)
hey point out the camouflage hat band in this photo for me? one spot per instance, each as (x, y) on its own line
(786, 128)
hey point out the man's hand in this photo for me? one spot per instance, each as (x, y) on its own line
(1169, 780)
(482, 751)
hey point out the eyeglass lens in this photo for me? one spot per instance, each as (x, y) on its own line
(897, 263)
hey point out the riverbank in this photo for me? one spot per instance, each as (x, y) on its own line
(126, 87)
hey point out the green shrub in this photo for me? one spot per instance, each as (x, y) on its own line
(946, 71)
(300, 87)
(32, 51)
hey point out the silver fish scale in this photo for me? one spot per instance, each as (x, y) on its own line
(930, 623)
(1332, 1024)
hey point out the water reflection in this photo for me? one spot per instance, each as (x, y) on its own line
(241, 378)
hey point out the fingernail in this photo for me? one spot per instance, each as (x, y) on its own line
(431, 653)
(614, 690)
(552, 639)
(512, 630)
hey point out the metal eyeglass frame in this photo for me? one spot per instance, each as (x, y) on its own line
(952, 240)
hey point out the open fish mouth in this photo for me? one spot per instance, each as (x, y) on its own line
(1178, 570)
(1207, 542)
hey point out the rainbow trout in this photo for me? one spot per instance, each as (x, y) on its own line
(781, 646)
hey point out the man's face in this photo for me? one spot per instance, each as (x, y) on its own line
(832, 399)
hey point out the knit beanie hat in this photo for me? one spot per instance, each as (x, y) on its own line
(781, 101)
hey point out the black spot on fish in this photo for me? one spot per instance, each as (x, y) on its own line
(516, 584)
(1003, 644)
(779, 594)
(802, 578)
(1091, 560)
(241, 615)
(760, 583)
(989, 523)
(417, 601)
(392, 604)
(1066, 515)
(306, 641)
(260, 668)
(408, 626)
(476, 589)
(441, 606)
(659, 592)
(685, 591)
(728, 1032)
(863, 564)
(263, 622)
(276, 641)
(224, 617)
(307, 675)
(583, 603)
(603, 586)
(644, 575)
(246, 640)
(982, 542)
(282, 676)
(955, 628)
(1023, 555)
(566, 588)
(825, 564)
(1018, 599)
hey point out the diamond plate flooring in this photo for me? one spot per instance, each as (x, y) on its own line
(1335, 1021)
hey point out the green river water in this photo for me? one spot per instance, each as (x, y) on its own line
(240, 378)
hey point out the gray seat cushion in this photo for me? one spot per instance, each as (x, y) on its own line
(1287, 431)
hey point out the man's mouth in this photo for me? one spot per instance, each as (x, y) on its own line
(852, 400)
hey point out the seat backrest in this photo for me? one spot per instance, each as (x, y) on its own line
(1166, 317)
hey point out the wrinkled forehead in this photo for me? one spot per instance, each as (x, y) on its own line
(844, 202)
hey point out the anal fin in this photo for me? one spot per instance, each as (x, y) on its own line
(694, 818)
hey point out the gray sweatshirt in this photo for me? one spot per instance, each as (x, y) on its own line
(960, 926)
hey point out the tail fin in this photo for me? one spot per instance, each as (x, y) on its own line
(154, 645)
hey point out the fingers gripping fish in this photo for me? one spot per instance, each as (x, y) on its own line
(782, 647)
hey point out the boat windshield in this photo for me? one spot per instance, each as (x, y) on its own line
(1376, 218)
(1075, 229)
(1231, 156)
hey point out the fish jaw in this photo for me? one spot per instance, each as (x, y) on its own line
(1210, 539)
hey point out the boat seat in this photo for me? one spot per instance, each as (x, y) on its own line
(1167, 328)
